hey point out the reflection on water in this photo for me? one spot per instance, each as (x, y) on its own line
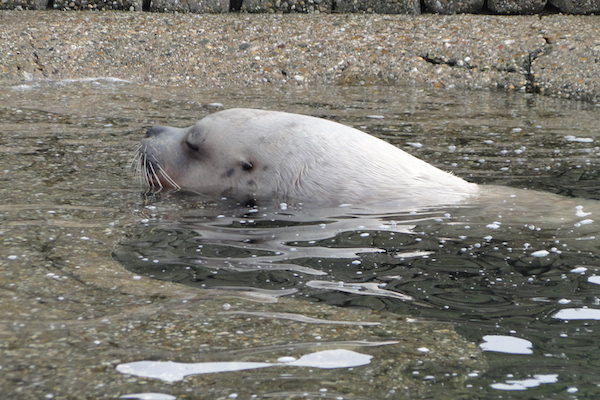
(501, 268)
(170, 371)
(516, 271)
(506, 344)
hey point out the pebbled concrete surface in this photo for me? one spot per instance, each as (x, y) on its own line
(556, 55)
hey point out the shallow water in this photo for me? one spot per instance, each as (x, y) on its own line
(499, 270)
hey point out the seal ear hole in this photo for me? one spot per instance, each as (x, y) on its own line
(247, 165)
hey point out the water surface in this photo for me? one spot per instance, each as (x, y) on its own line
(518, 276)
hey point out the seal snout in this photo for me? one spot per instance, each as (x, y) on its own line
(155, 131)
(150, 170)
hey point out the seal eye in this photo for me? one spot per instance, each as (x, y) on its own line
(247, 166)
(192, 147)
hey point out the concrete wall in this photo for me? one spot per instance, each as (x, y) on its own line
(319, 6)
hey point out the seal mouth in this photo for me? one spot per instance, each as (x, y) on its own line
(150, 173)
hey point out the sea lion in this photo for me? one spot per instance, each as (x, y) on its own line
(257, 155)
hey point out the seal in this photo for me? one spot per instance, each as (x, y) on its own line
(258, 155)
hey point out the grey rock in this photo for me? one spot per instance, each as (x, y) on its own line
(23, 4)
(516, 6)
(378, 6)
(287, 6)
(577, 6)
(129, 5)
(190, 6)
(453, 6)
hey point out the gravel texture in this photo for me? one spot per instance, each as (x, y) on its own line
(190, 6)
(23, 4)
(453, 6)
(317, 6)
(378, 6)
(127, 5)
(286, 6)
(516, 6)
(556, 55)
(577, 6)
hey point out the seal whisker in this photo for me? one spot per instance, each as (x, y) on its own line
(162, 171)
(140, 172)
(140, 169)
(155, 181)
(135, 161)
(157, 169)
(145, 173)
(138, 166)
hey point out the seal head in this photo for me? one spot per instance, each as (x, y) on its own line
(267, 155)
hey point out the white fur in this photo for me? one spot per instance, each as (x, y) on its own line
(307, 159)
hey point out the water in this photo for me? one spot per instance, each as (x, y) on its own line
(512, 274)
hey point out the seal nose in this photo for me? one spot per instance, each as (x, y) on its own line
(155, 131)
